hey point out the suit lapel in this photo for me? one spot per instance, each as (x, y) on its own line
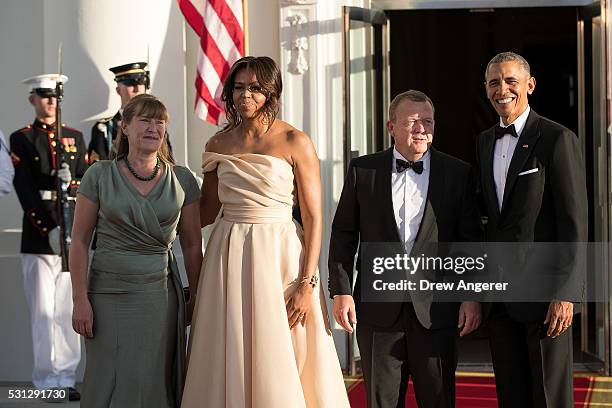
(523, 150)
(486, 169)
(383, 179)
(435, 190)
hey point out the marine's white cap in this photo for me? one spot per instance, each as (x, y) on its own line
(44, 85)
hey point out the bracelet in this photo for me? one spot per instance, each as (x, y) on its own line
(312, 281)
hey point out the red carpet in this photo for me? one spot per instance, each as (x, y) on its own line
(474, 391)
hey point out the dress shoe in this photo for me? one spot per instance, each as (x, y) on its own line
(55, 395)
(73, 394)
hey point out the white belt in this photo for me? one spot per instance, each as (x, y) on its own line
(48, 195)
(51, 195)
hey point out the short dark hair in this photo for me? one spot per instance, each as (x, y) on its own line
(410, 95)
(508, 56)
(269, 78)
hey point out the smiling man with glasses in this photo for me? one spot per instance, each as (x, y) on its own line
(409, 194)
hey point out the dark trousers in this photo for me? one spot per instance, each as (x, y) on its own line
(390, 356)
(532, 370)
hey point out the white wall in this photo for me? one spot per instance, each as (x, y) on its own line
(313, 102)
(17, 63)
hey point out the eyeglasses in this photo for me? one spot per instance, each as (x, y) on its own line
(251, 88)
(427, 123)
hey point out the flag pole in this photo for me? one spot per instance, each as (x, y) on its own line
(245, 23)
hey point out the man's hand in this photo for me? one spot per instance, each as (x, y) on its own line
(344, 311)
(64, 173)
(470, 315)
(559, 317)
(54, 240)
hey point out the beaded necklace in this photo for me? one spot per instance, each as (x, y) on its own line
(138, 176)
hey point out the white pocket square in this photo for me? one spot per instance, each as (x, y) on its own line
(528, 171)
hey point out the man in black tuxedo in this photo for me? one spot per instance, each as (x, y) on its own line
(409, 194)
(532, 181)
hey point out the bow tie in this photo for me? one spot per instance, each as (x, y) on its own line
(501, 131)
(402, 165)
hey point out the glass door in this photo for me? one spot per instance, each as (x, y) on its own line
(366, 96)
(593, 132)
(366, 81)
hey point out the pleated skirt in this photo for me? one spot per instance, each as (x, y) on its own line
(242, 352)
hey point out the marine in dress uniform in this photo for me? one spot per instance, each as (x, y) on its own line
(57, 348)
(132, 79)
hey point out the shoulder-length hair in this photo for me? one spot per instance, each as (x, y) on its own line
(147, 106)
(269, 78)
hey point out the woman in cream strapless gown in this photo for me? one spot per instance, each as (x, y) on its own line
(260, 335)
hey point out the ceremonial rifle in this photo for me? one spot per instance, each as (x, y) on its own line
(63, 199)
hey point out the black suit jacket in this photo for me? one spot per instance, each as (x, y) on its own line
(365, 214)
(98, 145)
(549, 205)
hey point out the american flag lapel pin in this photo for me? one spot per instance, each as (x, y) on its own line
(525, 146)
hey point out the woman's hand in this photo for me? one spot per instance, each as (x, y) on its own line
(298, 304)
(82, 317)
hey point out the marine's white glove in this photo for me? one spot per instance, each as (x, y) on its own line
(64, 173)
(54, 240)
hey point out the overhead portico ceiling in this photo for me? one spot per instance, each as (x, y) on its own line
(473, 4)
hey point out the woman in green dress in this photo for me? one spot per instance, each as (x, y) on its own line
(130, 307)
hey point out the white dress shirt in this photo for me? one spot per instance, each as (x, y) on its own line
(409, 191)
(502, 155)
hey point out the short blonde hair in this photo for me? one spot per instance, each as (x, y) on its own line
(410, 95)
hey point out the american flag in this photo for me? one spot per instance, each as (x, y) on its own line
(219, 24)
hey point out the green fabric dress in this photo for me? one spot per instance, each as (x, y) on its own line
(137, 355)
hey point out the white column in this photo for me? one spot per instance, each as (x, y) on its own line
(97, 35)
